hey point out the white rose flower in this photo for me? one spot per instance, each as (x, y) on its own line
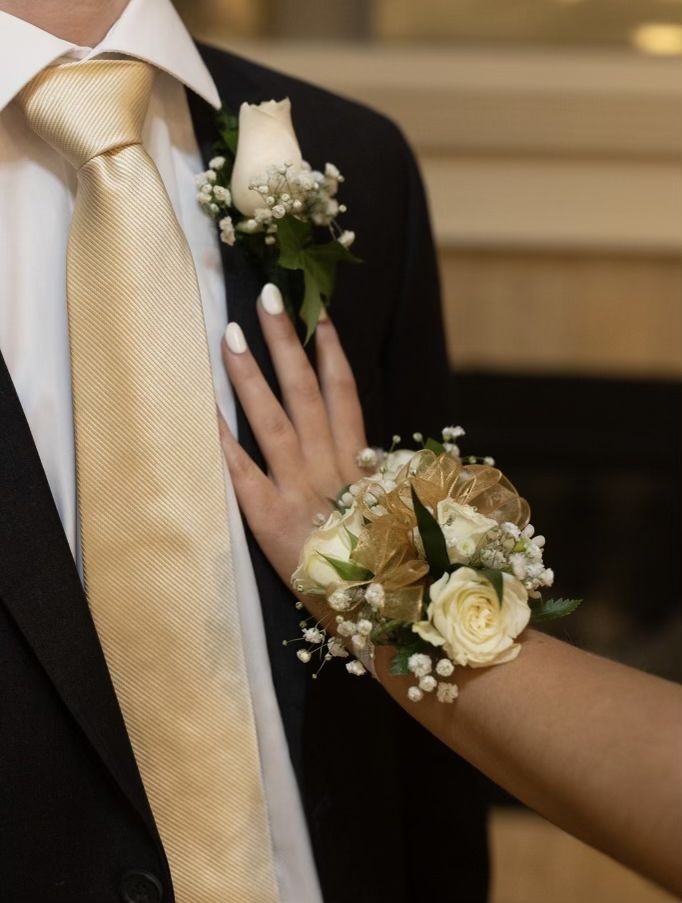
(463, 528)
(314, 574)
(396, 460)
(466, 618)
(266, 139)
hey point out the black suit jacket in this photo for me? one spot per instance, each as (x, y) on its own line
(393, 815)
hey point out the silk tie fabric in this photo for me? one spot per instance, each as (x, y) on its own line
(155, 541)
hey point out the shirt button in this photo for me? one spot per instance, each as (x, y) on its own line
(141, 887)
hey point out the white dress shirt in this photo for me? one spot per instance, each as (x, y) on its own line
(37, 189)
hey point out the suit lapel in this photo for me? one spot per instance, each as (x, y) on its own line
(40, 587)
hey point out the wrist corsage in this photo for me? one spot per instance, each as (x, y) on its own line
(432, 554)
(265, 197)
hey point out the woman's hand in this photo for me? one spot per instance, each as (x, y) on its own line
(310, 443)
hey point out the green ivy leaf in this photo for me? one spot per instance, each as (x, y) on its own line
(495, 577)
(552, 609)
(347, 570)
(318, 263)
(292, 238)
(432, 537)
(435, 446)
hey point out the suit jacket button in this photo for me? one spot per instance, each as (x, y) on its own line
(141, 887)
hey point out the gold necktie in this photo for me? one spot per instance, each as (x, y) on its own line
(154, 530)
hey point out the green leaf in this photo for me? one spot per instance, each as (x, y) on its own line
(407, 642)
(432, 537)
(228, 129)
(352, 539)
(495, 577)
(401, 658)
(318, 263)
(435, 446)
(292, 238)
(347, 570)
(313, 302)
(552, 609)
(333, 252)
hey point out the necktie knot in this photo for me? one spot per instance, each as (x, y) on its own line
(85, 109)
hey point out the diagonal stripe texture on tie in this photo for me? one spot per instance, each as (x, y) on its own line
(155, 538)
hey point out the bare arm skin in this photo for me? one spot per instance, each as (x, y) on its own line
(593, 746)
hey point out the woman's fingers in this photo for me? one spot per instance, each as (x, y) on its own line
(300, 391)
(256, 494)
(272, 428)
(341, 398)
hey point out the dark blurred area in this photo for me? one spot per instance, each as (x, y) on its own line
(600, 461)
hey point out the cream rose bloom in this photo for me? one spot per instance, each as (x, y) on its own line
(463, 528)
(395, 461)
(314, 574)
(266, 138)
(466, 618)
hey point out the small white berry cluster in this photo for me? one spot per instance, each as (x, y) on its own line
(368, 458)
(216, 199)
(334, 647)
(305, 193)
(508, 548)
(422, 667)
(302, 192)
(450, 436)
(361, 607)
(327, 647)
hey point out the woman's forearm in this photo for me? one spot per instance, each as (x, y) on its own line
(592, 745)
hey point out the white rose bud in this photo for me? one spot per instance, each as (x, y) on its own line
(266, 139)
(466, 618)
(314, 574)
(463, 528)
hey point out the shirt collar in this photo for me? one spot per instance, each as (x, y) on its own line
(149, 30)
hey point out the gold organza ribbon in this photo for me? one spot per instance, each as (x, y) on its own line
(387, 545)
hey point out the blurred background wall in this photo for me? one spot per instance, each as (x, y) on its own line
(549, 135)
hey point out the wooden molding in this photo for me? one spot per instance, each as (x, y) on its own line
(524, 149)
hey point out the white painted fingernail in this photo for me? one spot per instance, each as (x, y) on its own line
(235, 338)
(271, 299)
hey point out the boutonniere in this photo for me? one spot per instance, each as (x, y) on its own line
(265, 197)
